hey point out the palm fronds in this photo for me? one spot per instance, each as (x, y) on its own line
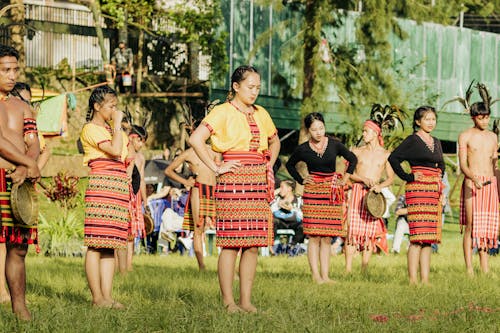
(465, 101)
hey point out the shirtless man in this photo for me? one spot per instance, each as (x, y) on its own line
(19, 148)
(363, 228)
(479, 200)
(200, 209)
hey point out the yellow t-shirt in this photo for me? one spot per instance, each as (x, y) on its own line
(92, 136)
(230, 130)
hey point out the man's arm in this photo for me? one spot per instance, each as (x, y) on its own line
(170, 170)
(31, 138)
(462, 156)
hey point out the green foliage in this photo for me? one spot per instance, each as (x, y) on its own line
(61, 236)
(129, 11)
(198, 23)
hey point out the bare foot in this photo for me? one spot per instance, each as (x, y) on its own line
(23, 314)
(328, 281)
(470, 272)
(4, 298)
(202, 268)
(108, 304)
(250, 308)
(232, 308)
(318, 279)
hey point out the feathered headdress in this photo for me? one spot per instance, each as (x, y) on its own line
(485, 95)
(387, 117)
(465, 101)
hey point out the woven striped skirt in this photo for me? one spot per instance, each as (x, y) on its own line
(137, 217)
(324, 206)
(363, 226)
(11, 231)
(485, 215)
(243, 214)
(206, 198)
(107, 206)
(424, 206)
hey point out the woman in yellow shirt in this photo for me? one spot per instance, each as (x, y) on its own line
(107, 196)
(246, 136)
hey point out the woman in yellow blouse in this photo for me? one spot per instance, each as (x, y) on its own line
(246, 136)
(107, 196)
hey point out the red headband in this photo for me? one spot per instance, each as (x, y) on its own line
(373, 125)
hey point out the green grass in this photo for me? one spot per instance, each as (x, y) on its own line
(167, 294)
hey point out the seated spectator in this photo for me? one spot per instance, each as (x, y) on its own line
(287, 212)
(402, 228)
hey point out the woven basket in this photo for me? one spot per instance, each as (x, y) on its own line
(24, 202)
(375, 203)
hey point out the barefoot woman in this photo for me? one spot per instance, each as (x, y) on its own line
(324, 203)
(246, 136)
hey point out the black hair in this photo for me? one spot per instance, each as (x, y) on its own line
(239, 75)
(290, 183)
(8, 51)
(98, 95)
(140, 131)
(311, 117)
(479, 109)
(420, 113)
(18, 87)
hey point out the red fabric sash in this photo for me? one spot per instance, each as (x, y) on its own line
(252, 157)
(336, 191)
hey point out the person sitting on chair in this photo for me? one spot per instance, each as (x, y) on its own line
(287, 213)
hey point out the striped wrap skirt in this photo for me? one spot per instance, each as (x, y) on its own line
(424, 206)
(243, 214)
(324, 207)
(107, 205)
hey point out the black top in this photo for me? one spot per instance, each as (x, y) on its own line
(136, 180)
(325, 164)
(414, 150)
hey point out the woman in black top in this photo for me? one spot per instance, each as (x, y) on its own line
(423, 190)
(323, 199)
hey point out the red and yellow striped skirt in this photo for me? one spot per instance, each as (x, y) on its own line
(243, 214)
(10, 230)
(324, 206)
(206, 198)
(424, 206)
(107, 206)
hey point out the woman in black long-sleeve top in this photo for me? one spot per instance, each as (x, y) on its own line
(323, 199)
(423, 190)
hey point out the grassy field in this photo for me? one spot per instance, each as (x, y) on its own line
(167, 294)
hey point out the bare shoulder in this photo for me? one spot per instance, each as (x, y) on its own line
(357, 150)
(16, 106)
(492, 135)
(464, 135)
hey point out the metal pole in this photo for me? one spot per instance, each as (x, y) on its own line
(231, 37)
(270, 60)
(251, 29)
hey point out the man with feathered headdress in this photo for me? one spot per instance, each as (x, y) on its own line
(479, 197)
(366, 232)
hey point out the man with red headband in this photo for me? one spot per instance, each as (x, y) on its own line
(373, 172)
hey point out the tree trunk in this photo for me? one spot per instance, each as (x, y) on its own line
(310, 44)
(96, 13)
(17, 33)
(139, 61)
